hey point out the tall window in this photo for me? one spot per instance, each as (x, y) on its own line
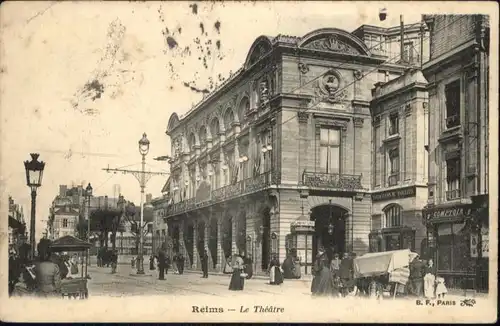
(392, 216)
(65, 223)
(214, 130)
(452, 95)
(453, 178)
(228, 121)
(394, 166)
(329, 150)
(408, 52)
(393, 124)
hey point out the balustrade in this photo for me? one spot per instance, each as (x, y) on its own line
(339, 181)
(224, 193)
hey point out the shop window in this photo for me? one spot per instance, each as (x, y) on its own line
(453, 178)
(393, 214)
(452, 95)
(393, 124)
(329, 150)
(445, 247)
(392, 242)
(453, 244)
(65, 223)
(228, 121)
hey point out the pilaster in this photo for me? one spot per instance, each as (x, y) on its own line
(220, 252)
(196, 256)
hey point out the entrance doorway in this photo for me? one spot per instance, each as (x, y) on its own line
(330, 230)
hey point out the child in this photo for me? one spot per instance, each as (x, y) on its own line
(440, 287)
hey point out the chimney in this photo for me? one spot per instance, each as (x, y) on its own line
(149, 197)
(106, 202)
(62, 190)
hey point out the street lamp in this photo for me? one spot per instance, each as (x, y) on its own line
(34, 173)
(143, 150)
(88, 194)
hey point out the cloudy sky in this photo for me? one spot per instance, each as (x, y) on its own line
(81, 81)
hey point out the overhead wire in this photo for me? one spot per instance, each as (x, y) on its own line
(364, 75)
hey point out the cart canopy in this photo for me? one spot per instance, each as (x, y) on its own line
(380, 263)
(69, 243)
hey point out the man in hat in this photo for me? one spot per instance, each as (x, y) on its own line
(204, 264)
(162, 260)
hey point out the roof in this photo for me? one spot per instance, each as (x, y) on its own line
(69, 243)
(263, 46)
(64, 211)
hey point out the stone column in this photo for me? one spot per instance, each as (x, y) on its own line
(234, 230)
(196, 257)
(205, 244)
(220, 252)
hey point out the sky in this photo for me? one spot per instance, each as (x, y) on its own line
(82, 81)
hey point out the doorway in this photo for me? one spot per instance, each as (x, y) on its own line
(330, 230)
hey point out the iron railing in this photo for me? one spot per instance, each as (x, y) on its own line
(222, 194)
(344, 182)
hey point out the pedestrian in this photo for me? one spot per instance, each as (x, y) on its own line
(204, 264)
(322, 284)
(416, 282)
(275, 274)
(151, 263)
(162, 262)
(167, 263)
(175, 260)
(114, 261)
(440, 288)
(48, 278)
(429, 280)
(346, 274)
(237, 282)
(180, 263)
(248, 266)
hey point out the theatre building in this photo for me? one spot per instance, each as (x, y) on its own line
(281, 149)
(457, 211)
(399, 170)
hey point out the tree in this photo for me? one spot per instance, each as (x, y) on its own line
(132, 216)
(105, 221)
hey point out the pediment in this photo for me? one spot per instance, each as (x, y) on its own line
(334, 40)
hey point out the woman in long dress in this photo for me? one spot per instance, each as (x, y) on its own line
(429, 280)
(237, 281)
(275, 275)
(322, 280)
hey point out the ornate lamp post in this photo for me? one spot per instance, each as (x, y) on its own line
(88, 194)
(143, 150)
(34, 173)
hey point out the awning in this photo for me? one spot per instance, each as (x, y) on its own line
(69, 243)
(380, 263)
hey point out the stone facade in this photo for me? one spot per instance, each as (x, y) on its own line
(458, 74)
(399, 163)
(291, 130)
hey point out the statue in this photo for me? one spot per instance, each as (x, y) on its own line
(264, 91)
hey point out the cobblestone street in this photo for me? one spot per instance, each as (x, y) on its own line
(103, 283)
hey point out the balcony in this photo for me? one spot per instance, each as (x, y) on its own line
(393, 179)
(240, 188)
(343, 182)
(453, 194)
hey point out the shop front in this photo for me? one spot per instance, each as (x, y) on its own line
(396, 221)
(456, 238)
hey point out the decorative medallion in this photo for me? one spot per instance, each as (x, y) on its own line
(328, 88)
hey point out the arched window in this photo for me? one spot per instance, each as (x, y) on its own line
(192, 143)
(228, 121)
(243, 109)
(393, 216)
(214, 130)
(203, 137)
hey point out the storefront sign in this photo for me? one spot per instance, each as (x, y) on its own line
(395, 194)
(457, 211)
